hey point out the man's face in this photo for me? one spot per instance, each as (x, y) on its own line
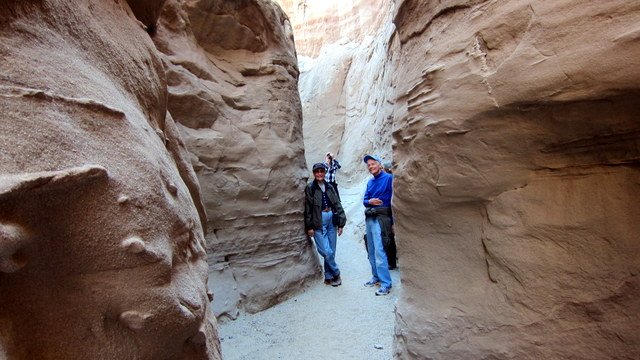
(318, 174)
(374, 167)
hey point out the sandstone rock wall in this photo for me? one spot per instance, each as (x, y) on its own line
(517, 143)
(346, 111)
(317, 23)
(101, 242)
(345, 104)
(232, 75)
(345, 85)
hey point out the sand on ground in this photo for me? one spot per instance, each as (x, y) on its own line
(341, 323)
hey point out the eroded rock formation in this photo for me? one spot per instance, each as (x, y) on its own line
(516, 144)
(345, 79)
(101, 243)
(516, 192)
(345, 85)
(317, 23)
(232, 76)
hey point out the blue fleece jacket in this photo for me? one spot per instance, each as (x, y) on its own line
(381, 187)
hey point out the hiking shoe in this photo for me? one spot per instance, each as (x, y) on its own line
(371, 283)
(328, 281)
(337, 281)
(383, 291)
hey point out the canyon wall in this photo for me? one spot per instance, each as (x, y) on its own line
(346, 110)
(232, 77)
(345, 80)
(345, 84)
(515, 135)
(317, 23)
(101, 241)
(517, 145)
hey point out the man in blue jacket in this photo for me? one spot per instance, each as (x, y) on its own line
(377, 202)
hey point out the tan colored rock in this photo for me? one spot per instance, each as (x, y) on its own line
(346, 91)
(101, 244)
(317, 23)
(232, 75)
(517, 183)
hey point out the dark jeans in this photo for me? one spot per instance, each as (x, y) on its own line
(335, 186)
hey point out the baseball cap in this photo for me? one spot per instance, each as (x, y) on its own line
(372, 157)
(317, 166)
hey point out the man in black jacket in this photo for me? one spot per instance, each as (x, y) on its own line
(323, 213)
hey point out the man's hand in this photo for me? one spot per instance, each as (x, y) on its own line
(339, 231)
(375, 201)
(310, 232)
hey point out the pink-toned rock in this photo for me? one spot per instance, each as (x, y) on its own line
(346, 88)
(101, 243)
(517, 183)
(232, 75)
(317, 23)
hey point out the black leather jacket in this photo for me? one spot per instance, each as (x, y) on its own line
(385, 218)
(313, 206)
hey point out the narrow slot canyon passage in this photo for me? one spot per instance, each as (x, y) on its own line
(344, 322)
(321, 321)
(154, 158)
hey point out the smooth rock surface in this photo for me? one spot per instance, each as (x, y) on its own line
(232, 75)
(101, 242)
(515, 130)
(517, 144)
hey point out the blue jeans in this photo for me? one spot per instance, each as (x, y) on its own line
(326, 239)
(377, 256)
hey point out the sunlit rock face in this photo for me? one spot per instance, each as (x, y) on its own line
(517, 143)
(345, 94)
(343, 48)
(101, 243)
(317, 23)
(346, 82)
(232, 76)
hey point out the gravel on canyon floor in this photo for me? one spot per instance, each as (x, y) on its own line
(341, 323)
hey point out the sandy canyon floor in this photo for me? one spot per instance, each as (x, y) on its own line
(342, 323)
